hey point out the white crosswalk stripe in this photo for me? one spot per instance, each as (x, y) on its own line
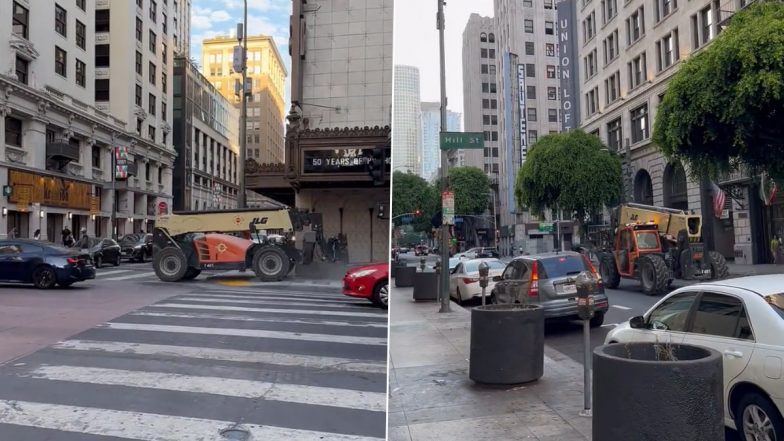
(181, 370)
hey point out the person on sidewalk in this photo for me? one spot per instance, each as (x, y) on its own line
(37, 235)
(84, 240)
(12, 234)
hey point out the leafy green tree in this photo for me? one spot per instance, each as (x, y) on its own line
(411, 193)
(472, 193)
(569, 171)
(725, 105)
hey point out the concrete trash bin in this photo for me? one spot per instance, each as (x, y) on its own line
(404, 276)
(426, 285)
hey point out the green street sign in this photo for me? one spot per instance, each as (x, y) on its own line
(546, 227)
(462, 140)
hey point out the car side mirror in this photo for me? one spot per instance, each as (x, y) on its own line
(637, 322)
(497, 278)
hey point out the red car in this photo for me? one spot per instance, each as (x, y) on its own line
(369, 282)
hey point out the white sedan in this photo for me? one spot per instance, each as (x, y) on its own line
(743, 319)
(464, 279)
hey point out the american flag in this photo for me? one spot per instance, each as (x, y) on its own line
(719, 198)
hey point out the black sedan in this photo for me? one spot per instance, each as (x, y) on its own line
(43, 264)
(136, 247)
(104, 251)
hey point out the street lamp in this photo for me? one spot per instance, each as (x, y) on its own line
(242, 38)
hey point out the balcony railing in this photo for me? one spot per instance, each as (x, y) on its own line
(728, 8)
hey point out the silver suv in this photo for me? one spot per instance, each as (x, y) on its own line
(547, 280)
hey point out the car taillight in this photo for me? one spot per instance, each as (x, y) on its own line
(533, 284)
(72, 261)
(592, 268)
(468, 280)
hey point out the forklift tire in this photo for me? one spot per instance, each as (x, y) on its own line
(191, 274)
(654, 274)
(609, 271)
(271, 264)
(170, 264)
(718, 265)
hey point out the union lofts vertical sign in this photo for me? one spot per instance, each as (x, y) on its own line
(567, 56)
(521, 103)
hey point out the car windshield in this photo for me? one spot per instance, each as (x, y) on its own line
(560, 266)
(472, 266)
(776, 301)
(647, 240)
(132, 239)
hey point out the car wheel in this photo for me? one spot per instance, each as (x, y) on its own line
(271, 264)
(116, 260)
(758, 420)
(597, 320)
(44, 277)
(381, 294)
(98, 261)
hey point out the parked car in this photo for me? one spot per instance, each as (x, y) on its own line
(104, 251)
(741, 318)
(464, 278)
(43, 264)
(369, 282)
(546, 280)
(136, 247)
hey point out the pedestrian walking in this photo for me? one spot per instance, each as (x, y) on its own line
(37, 235)
(12, 234)
(84, 240)
(67, 237)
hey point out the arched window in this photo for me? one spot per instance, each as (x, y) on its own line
(491, 39)
(643, 188)
(483, 37)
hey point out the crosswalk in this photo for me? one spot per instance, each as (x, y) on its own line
(145, 274)
(276, 364)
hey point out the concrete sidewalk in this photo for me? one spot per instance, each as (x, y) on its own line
(738, 270)
(432, 398)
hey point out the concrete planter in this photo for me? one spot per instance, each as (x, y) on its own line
(507, 344)
(426, 286)
(404, 276)
(636, 395)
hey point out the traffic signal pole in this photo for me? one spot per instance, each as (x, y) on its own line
(444, 267)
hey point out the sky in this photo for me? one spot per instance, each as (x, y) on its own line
(210, 18)
(416, 44)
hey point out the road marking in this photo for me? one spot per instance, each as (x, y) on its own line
(131, 276)
(138, 425)
(276, 358)
(625, 308)
(100, 273)
(172, 304)
(230, 387)
(273, 301)
(245, 318)
(256, 333)
(218, 294)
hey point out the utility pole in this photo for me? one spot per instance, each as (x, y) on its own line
(243, 39)
(444, 285)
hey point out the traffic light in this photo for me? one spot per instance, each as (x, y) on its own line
(376, 166)
(382, 211)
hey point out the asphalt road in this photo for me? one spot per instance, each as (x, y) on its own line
(127, 356)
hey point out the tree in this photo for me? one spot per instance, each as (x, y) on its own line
(569, 171)
(725, 106)
(411, 193)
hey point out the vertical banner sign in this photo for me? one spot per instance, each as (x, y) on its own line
(521, 98)
(95, 208)
(448, 208)
(567, 55)
(121, 163)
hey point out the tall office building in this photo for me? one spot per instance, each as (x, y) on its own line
(407, 129)
(528, 100)
(629, 51)
(431, 128)
(74, 89)
(266, 104)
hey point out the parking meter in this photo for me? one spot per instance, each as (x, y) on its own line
(484, 270)
(586, 290)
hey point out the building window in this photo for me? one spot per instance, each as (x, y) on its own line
(552, 93)
(151, 104)
(60, 61)
(164, 85)
(153, 11)
(138, 62)
(139, 29)
(152, 74)
(491, 53)
(552, 115)
(81, 73)
(153, 41)
(138, 96)
(639, 118)
(614, 135)
(60, 20)
(483, 53)
(102, 90)
(483, 37)
(81, 5)
(13, 131)
(493, 88)
(485, 88)
(163, 110)
(590, 63)
(548, 4)
(491, 38)
(549, 49)
(491, 69)
(549, 28)
(102, 55)
(493, 104)
(589, 26)
(102, 20)
(529, 48)
(139, 126)
(531, 114)
(591, 101)
(533, 136)
(486, 120)
(494, 120)
(165, 23)
(484, 69)
(611, 49)
(140, 3)
(530, 92)
(21, 21)
(702, 27)
(529, 26)
(530, 70)
(609, 10)
(151, 132)
(635, 26)
(22, 69)
(528, 3)
(551, 71)
(612, 87)
(96, 156)
(637, 71)
(164, 53)
(664, 8)
(485, 103)
(667, 51)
